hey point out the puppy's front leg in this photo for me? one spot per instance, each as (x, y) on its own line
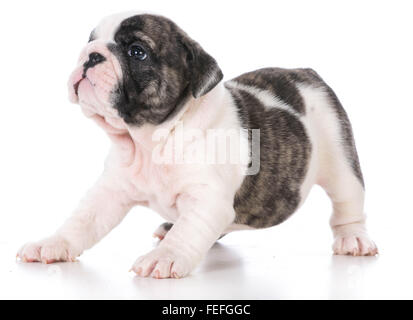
(104, 206)
(203, 217)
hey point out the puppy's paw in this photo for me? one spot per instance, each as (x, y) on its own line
(161, 263)
(49, 250)
(355, 245)
(162, 230)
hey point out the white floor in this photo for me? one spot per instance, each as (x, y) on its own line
(290, 261)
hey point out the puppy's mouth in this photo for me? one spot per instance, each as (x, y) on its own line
(77, 84)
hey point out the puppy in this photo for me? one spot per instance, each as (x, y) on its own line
(158, 95)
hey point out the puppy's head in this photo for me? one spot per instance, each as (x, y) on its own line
(139, 69)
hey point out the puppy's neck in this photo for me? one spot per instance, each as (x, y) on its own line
(198, 113)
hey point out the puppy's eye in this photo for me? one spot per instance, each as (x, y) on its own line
(137, 52)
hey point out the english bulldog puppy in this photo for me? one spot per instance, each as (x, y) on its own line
(159, 95)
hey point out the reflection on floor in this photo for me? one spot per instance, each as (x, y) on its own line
(229, 272)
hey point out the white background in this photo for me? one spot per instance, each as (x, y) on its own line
(51, 154)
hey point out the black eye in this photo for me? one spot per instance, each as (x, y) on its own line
(137, 52)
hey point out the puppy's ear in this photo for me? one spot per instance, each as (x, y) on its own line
(204, 71)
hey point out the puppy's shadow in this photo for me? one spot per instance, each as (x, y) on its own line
(222, 258)
(221, 263)
(219, 258)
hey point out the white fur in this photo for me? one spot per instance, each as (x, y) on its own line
(268, 99)
(197, 198)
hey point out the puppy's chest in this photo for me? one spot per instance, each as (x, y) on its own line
(153, 185)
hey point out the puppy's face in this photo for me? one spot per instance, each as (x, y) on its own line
(139, 69)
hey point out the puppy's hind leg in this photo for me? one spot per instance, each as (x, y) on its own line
(340, 176)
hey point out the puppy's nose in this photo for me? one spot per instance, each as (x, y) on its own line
(94, 59)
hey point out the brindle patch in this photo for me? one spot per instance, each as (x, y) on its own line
(271, 196)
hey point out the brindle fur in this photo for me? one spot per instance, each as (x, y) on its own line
(271, 196)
